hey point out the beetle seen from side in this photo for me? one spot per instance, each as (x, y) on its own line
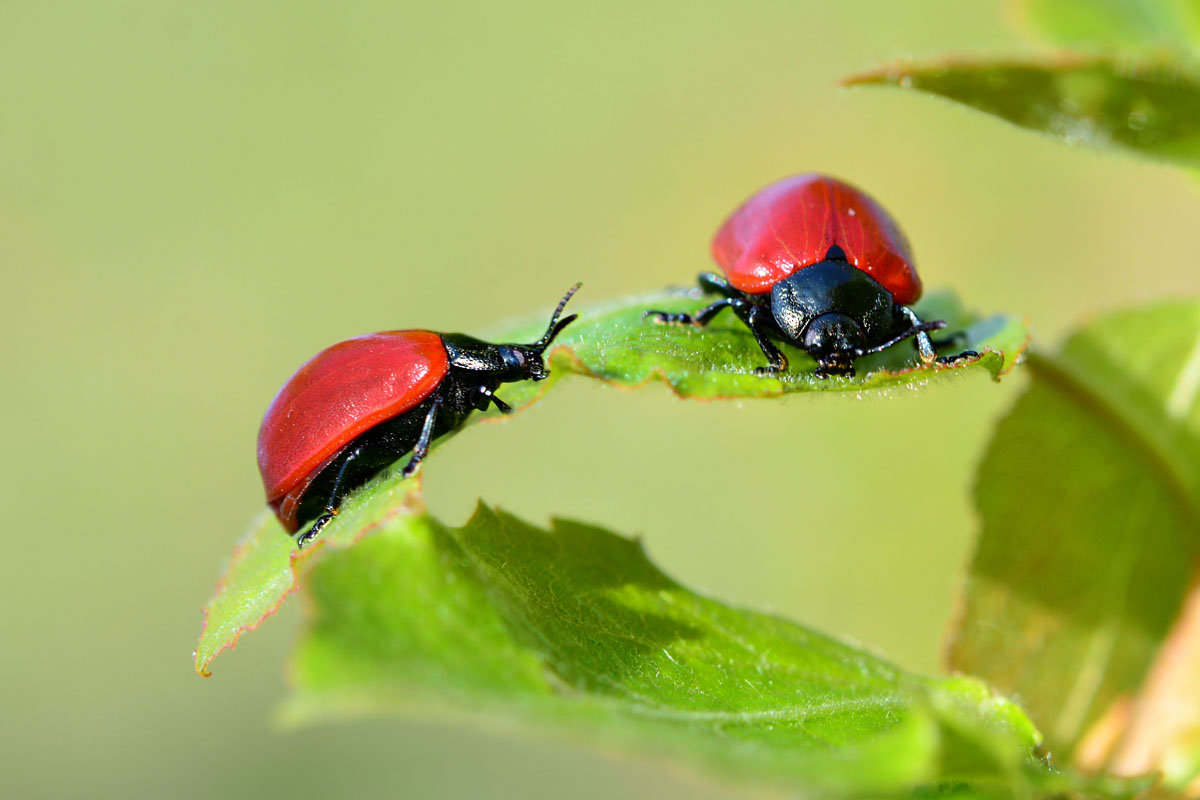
(362, 404)
(815, 262)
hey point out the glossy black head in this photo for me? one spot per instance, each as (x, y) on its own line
(833, 311)
(527, 360)
(509, 362)
(834, 341)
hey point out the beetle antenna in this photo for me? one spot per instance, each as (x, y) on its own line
(924, 327)
(556, 325)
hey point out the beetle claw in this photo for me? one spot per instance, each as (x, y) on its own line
(306, 538)
(668, 318)
(824, 373)
(965, 355)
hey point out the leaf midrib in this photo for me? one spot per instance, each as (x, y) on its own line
(1129, 422)
(638, 704)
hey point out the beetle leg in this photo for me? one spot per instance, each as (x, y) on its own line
(949, 341)
(701, 317)
(825, 370)
(712, 283)
(918, 330)
(756, 319)
(486, 396)
(926, 347)
(965, 355)
(421, 448)
(481, 398)
(313, 530)
(331, 507)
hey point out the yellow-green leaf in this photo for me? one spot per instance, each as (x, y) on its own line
(1090, 501)
(1113, 25)
(1147, 106)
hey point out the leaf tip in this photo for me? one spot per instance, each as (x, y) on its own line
(205, 652)
(894, 73)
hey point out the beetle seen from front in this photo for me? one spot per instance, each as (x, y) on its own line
(815, 262)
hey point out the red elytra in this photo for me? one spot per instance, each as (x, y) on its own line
(792, 223)
(338, 394)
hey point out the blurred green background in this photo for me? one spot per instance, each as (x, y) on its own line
(194, 198)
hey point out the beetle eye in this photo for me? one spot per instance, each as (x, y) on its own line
(514, 359)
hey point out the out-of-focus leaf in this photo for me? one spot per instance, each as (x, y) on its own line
(1150, 107)
(1090, 501)
(574, 628)
(616, 345)
(1160, 728)
(1113, 24)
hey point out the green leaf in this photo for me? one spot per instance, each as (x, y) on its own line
(1150, 107)
(261, 572)
(1090, 501)
(616, 345)
(574, 628)
(1114, 24)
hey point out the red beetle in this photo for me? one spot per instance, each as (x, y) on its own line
(816, 263)
(360, 405)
